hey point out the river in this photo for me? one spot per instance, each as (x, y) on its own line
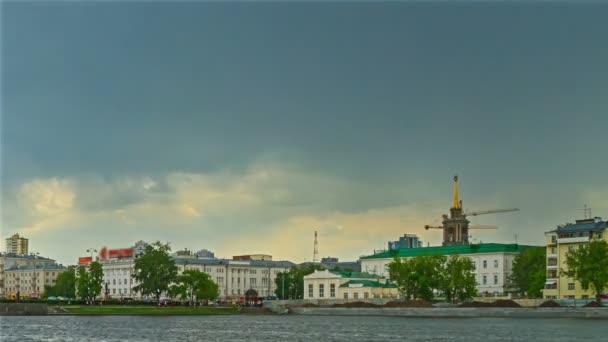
(296, 328)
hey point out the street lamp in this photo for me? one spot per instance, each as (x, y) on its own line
(91, 250)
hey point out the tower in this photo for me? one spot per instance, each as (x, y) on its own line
(455, 227)
(315, 253)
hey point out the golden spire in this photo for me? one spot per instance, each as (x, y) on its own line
(456, 201)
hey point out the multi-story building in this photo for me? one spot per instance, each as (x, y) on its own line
(29, 281)
(17, 245)
(347, 285)
(562, 240)
(405, 241)
(8, 261)
(493, 262)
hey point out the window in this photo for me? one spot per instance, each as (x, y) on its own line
(321, 290)
(119, 282)
(366, 295)
(113, 281)
(310, 291)
(570, 286)
(252, 281)
(253, 271)
(332, 290)
(571, 248)
(356, 295)
(495, 263)
(345, 295)
(553, 250)
(485, 280)
(554, 239)
(474, 265)
(585, 297)
(113, 291)
(495, 279)
(485, 264)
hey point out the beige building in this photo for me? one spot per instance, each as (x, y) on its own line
(327, 284)
(16, 245)
(8, 261)
(562, 240)
(29, 281)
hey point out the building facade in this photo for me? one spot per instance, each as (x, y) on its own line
(405, 241)
(326, 284)
(17, 245)
(29, 281)
(8, 261)
(493, 263)
(562, 240)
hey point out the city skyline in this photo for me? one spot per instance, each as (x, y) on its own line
(243, 129)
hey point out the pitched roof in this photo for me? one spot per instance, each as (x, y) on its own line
(451, 250)
(368, 283)
(582, 226)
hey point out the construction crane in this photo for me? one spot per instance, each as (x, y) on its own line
(493, 211)
(427, 227)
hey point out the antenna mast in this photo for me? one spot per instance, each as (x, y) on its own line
(586, 211)
(315, 253)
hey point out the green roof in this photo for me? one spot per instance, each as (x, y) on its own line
(354, 274)
(368, 283)
(451, 250)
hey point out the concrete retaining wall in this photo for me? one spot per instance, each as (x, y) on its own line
(596, 313)
(382, 301)
(23, 309)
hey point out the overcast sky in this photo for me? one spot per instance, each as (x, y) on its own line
(243, 127)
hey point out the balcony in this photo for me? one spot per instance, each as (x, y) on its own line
(578, 239)
(552, 255)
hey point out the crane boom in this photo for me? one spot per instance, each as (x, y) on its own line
(483, 227)
(484, 212)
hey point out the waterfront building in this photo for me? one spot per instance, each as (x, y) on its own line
(30, 280)
(562, 240)
(332, 263)
(16, 245)
(262, 257)
(493, 262)
(9, 260)
(328, 284)
(405, 241)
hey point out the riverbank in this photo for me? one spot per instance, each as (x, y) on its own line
(585, 313)
(143, 310)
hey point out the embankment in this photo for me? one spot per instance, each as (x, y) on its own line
(23, 309)
(589, 313)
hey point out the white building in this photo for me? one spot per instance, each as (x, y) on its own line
(493, 262)
(326, 284)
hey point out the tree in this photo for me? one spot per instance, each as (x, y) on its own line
(154, 270)
(95, 279)
(194, 283)
(82, 283)
(66, 284)
(530, 272)
(589, 265)
(417, 277)
(458, 279)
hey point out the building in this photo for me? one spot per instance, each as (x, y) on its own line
(16, 245)
(263, 257)
(327, 284)
(8, 261)
(29, 281)
(332, 263)
(117, 277)
(493, 262)
(562, 240)
(405, 241)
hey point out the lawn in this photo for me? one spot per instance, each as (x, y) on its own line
(149, 310)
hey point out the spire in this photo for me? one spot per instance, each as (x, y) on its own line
(456, 201)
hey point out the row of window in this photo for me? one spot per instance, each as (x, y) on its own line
(332, 291)
(30, 274)
(484, 279)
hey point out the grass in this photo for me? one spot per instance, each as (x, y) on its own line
(149, 310)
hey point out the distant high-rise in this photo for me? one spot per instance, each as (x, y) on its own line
(405, 241)
(17, 245)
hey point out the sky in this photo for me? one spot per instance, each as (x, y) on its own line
(244, 127)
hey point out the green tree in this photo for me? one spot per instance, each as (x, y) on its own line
(458, 279)
(530, 272)
(95, 279)
(290, 284)
(589, 265)
(82, 283)
(154, 270)
(49, 291)
(66, 284)
(417, 277)
(197, 284)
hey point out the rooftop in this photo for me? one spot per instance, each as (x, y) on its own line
(355, 275)
(21, 256)
(255, 263)
(480, 248)
(43, 267)
(587, 225)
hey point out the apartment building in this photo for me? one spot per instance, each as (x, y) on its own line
(10, 260)
(564, 239)
(29, 281)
